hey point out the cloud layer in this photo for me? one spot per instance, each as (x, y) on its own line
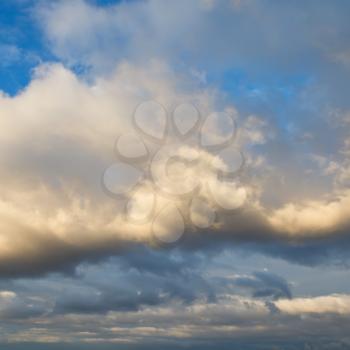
(58, 138)
(263, 259)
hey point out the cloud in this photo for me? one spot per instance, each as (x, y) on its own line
(134, 292)
(231, 320)
(265, 284)
(313, 217)
(134, 280)
(14, 307)
(57, 138)
(97, 36)
(59, 135)
(285, 66)
(333, 304)
(120, 304)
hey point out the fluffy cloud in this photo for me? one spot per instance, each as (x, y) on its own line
(313, 217)
(57, 139)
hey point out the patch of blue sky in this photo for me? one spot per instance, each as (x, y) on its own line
(242, 86)
(21, 45)
(275, 95)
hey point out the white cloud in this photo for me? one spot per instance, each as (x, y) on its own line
(335, 304)
(313, 218)
(57, 138)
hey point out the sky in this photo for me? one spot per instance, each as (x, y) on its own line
(174, 174)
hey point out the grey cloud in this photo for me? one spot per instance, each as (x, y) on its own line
(265, 284)
(130, 287)
(103, 303)
(20, 307)
(159, 262)
(61, 168)
(220, 35)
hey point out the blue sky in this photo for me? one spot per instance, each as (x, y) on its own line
(21, 45)
(256, 258)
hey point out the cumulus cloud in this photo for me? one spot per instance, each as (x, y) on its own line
(58, 137)
(313, 217)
